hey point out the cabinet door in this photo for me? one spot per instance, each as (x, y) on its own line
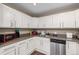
(68, 20)
(23, 48)
(77, 48)
(48, 21)
(45, 45)
(25, 21)
(38, 43)
(9, 50)
(18, 19)
(7, 16)
(35, 23)
(42, 22)
(56, 21)
(30, 22)
(71, 48)
(1, 15)
(31, 45)
(77, 18)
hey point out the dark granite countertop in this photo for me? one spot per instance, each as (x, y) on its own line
(27, 37)
(14, 41)
(62, 38)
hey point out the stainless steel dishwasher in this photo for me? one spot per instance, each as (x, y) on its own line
(58, 47)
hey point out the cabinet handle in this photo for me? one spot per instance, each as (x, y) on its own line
(27, 45)
(75, 23)
(62, 24)
(14, 23)
(41, 43)
(11, 24)
(68, 45)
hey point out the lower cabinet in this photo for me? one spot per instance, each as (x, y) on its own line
(46, 45)
(77, 48)
(43, 45)
(23, 48)
(71, 48)
(31, 45)
(26, 47)
(8, 50)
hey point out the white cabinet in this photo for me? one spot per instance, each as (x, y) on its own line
(77, 18)
(31, 45)
(61, 20)
(48, 21)
(26, 47)
(56, 21)
(6, 16)
(38, 43)
(15, 19)
(1, 15)
(18, 19)
(68, 19)
(64, 20)
(43, 45)
(77, 48)
(25, 21)
(30, 22)
(11, 18)
(9, 50)
(42, 23)
(33, 23)
(71, 48)
(23, 48)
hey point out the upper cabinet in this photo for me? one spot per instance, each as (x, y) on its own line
(56, 23)
(11, 18)
(18, 19)
(5, 16)
(33, 23)
(68, 19)
(45, 22)
(72, 48)
(42, 22)
(61, 20)
(24, 21)
(77, 18)
(48, 21)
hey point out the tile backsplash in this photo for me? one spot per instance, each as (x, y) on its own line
(2, 30)
(59, 31)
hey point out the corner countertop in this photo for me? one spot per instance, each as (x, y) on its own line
(27, 37)
(61, 38)
(14, 41)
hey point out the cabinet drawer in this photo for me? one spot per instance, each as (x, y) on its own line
(9, 47)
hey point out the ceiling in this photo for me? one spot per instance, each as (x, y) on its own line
(43, 9)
